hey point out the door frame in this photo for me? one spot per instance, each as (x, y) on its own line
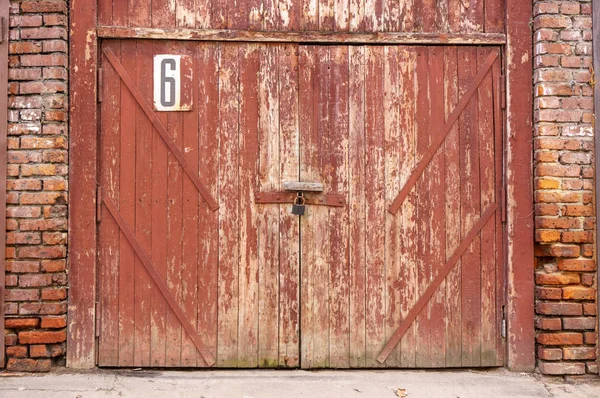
(83, 170)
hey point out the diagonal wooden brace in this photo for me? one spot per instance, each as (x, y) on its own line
(430, 291)
(158, 281)
(162, 131)
(424, 162)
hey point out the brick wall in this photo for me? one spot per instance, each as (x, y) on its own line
(564, 188)
(37, 185)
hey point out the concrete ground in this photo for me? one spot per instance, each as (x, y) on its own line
(291, 384)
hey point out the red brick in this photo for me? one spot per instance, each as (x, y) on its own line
(54, 294)
(545, 308)
(546, 338)
(557, 278)
(22, 266)
(549, 354)
(28, 365)
(17, 351)
(578, 293)
(590, 338)
(548, 293)
(579, 353)
(21, 323)
(568, 251)
(580, 323)
(45, 337)
(41, 252)
(44, 6)
(561, 368)
(590, 309)
(22, 295)
(46, 351)
(53, 308)
(35, 280)
(53, 265)
(54, 322)
(548, 323)
(577, 237)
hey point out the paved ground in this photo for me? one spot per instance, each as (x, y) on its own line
(291, 384)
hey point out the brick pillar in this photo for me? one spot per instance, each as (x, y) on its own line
(564, 188)
(36, 223)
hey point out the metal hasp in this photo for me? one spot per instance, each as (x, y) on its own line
(300, 186)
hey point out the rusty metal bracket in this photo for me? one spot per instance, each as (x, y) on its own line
(330, 199)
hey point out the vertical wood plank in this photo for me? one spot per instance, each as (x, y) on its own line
(337, 181)
(341, 15)
(406, 216)
(185, 13)
(453, 214)
(455, 15)
(120, 12)
(190, 254)
(326, 15)
(422, 239)
(174, 242)
(270, 14)
(289, 15)
(237, 14)
(375, 205)
(406, 15)
(485, 124)
(308, 113)
(127, 210)
(310, 15)
(356, 201)
(494, 16)
(321, 244)
(472, 17)
(109, 236)
(392, 164)
(208, 220)
(204, 13)
(248, 172)
(437, 225)
(162, 320)
(163, 13)
(374, 16)
(424, 15)
(498, 175)
(139, 13)
(144, 170)
(289, 224)
(391, 12)
(470, 210)
(269, 180)
(105, 12)
(229, 208)
(441, 16)
(357, 15)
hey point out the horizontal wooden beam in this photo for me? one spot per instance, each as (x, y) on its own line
(116, 32)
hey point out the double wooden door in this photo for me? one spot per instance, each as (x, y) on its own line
(397, 263)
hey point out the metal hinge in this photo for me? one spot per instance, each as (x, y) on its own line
(503, 90)
(97, 317)
(100, 84)
(98, 204)
(1, 29)
(503, 331)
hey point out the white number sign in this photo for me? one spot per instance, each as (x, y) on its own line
(168, 82)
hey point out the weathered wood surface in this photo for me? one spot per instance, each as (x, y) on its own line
(470, 38)
(313, 15)
(359, 119)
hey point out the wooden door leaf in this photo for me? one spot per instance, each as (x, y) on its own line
(424, 162)
(435, 283)
(160, 283)
(162, 131)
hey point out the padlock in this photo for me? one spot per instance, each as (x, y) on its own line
(298, 206)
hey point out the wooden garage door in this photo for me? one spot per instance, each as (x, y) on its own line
(201, 262)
